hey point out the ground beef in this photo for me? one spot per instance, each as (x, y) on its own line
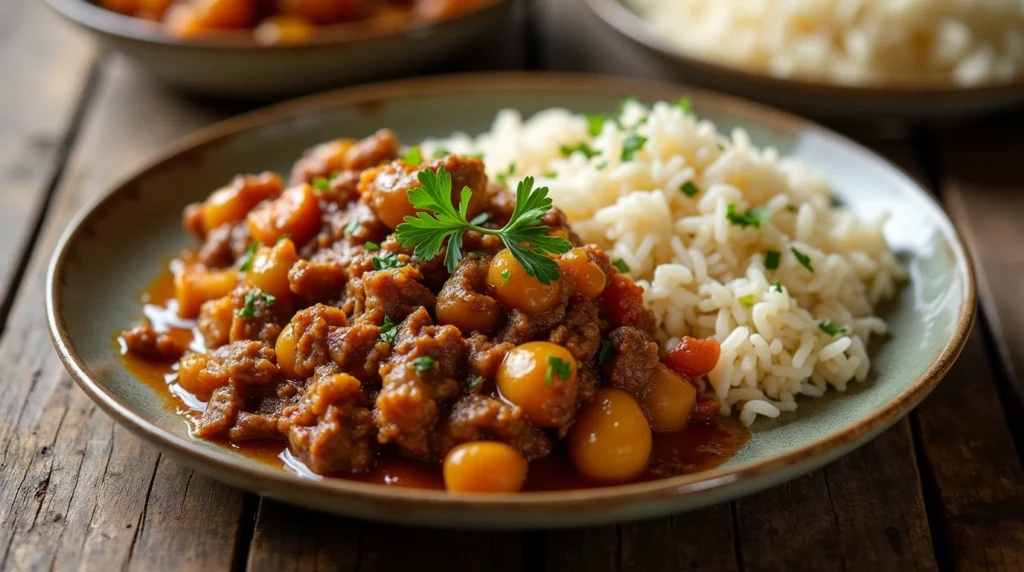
(345, 155)
(485, 355)
(633, 361)
(396, 293)
(521, 327)
(253, 426)
(243, 363)
(224, 245)
(215, 317)
(378, 148)
(331, 429)
(580, 332)
(310, 329)
(477, 417)
(221, 411)
(318, 280)
(145, 342)
(256, 317)
(359, 350)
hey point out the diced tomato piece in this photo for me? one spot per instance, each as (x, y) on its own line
(694, 357)
(623, 301)
(706, 409)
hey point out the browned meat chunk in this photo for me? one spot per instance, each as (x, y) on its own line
(462, 301)
(485, 356)
(395, 293)
(310, 328)
(215, 319)
(256, 316)
(318, 280)
(633, 361)
(344, 155)
(359, 350)
(476, 417)
(580, 332)
(145, 342)
(221, 411)
(331, 429)
(378, 148)
(251, 426)
(224, 245)
(243, 363)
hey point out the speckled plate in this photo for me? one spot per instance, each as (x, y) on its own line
(119, 243)
(827, 101)
(231, 63)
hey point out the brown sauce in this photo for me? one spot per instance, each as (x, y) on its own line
(698, 447)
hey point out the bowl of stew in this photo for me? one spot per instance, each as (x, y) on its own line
(317, 303)
(259, 50)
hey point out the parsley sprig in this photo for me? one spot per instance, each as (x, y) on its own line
(439, 219)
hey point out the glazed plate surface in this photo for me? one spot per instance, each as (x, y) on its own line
(118, 244)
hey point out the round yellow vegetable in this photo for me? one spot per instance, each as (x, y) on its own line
(484, 467)
(611, 440)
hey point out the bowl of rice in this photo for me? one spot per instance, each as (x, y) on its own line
(893, 59)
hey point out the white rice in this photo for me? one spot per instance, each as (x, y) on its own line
(702, 275)
(963, 42)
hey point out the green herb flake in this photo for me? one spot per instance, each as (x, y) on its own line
(389, 260)
(388, 331)
(441, 153)
(631, 145)
(581, 147)
(621, 265)
(778, 286)
(601, 166)
(440, 220)
(551, 175)
(556, 366)
(747, 300)
(689, 189)
(830, 328)
(771, 259)
(792, 208)
(371, 246)
(505, 276)
(754, 217)
(321, 185)
(424, 363)
(352, 227)
(413, 156)
(334, 175)
(595, 124)
(802, 258)
(503, 177)
(251, 297)
(474, 381)
(685, 104)
(604, 353)
(247, 258)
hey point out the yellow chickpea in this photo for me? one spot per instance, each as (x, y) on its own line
(269, 269)
(669, 400)
(192, 287)
(514, 288)
(484, 467)
(611, 440)
(589, 278)
(540, 377)
(296, 212)
(190, 379)
(285, 348)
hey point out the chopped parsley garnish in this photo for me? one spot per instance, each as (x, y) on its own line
(389, 260)
(621, 265)
(352, 227)
(441, 153)
(771, 259)
(778, 286)
(556, 366)
(283, 238)
(505, 275)
(754, 217)
(371, 246)
(424, 363)
(388, 331)
(600, 166)
(604, 353)
(413, 156)
(720, 146)
(830, 328)
(524, 235)
(685, 104)
(474, 381)
(250, 253)
(631, 145)
(503, 177)
(747, 300)
(551, 175)
(249, 309)
(334, 175)
(689, 189)
(595, 124)
(802, 258)
(321, 184)
(581, 147)
(792, 208)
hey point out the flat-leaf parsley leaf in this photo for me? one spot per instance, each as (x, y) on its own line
(621, 265)
(250, 253)
(388, 331)
(413, 156)
(559, 367)
(389, 260)
(249, 309)
(424, 363)
(830, 328)
(631, 145)
(802, 258)
(689, 189)
(604, 353)
(754, 217)
(581, 147)
(771, 259)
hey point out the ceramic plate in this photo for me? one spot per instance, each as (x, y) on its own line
(232, 64)
(118, 244)
(825, 101)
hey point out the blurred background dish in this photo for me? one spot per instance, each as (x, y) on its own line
(838, 60)
(229, 48)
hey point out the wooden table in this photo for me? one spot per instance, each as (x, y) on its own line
(942, 489)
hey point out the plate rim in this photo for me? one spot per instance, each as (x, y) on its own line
(630, 25)
(265, 479)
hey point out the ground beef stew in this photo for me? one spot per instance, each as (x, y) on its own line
(333, 318)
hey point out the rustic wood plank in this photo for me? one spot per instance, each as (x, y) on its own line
(79, 491)
(44, 72)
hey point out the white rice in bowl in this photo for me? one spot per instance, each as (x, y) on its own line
(787, 284)
(854, 42)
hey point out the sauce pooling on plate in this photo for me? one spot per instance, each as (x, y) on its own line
(405, 321)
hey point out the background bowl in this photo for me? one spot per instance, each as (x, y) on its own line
(821, 100)
(118, 244)
(233, 64)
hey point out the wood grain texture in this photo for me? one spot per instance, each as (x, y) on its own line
(44, 71)
(78, 491)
